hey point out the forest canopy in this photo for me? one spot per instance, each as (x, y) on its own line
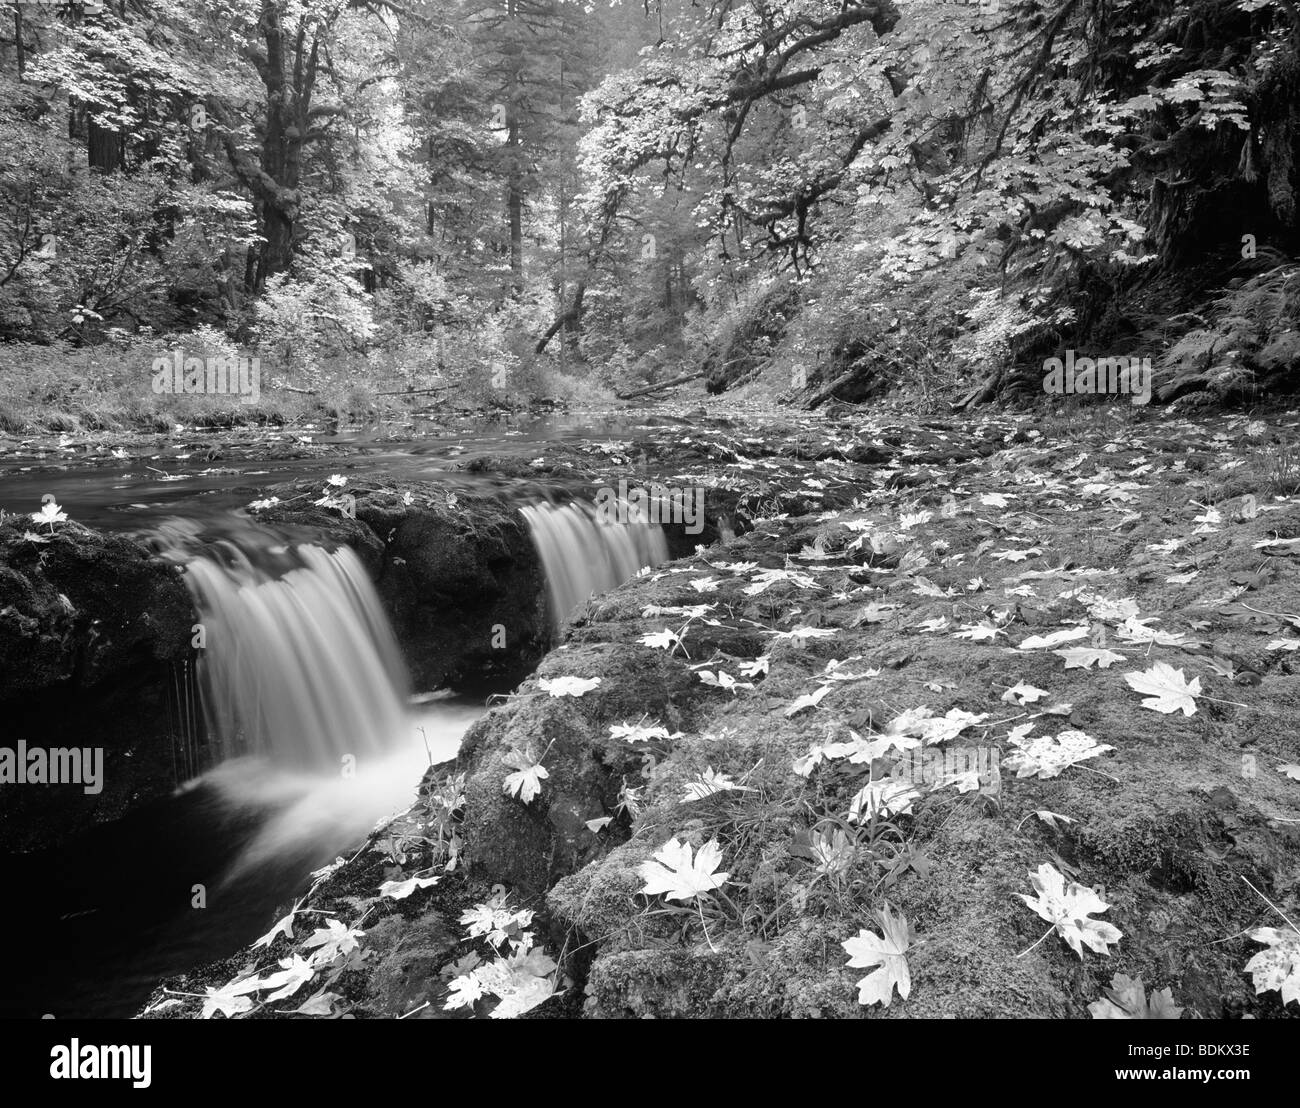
(839, 197)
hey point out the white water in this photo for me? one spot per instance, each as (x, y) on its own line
(304, 687)
(584, 555)
(329, 812)
(299, 663)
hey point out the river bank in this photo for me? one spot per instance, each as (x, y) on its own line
(955, 601)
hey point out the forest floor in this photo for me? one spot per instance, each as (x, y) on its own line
(928, 672)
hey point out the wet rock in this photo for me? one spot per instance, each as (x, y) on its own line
(531, 845)
(457, 573)
(94, 638)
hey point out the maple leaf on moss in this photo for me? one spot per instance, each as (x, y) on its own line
(231, 999)
(1167, 689)
(1068, 909)
(1126, 999)
(1047, 756)
(567, 686)
(1278, 967)
(677, 876)
(885, 951)
(526, 781)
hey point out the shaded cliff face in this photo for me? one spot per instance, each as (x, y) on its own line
(94, 648)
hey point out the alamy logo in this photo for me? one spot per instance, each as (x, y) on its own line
(219, 376)
(654, 503)
(91, 1062)
(1088, 376)
(24, 765)
(970, 768)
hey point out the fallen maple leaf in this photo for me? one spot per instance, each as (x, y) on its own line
(660, 640)
(889, 797)
(807, 700)
(1067, 910)
(939, 624)
(283, 926)
(568, 686)
(640, 732)
(1136, 630)
(320, 1004)
(885, 951)
(332, 940)
(761, 664)
(497, 920)
(1126, 999)
(1278, 967)
(708, 783)
(673, 873)
(978, 632)
(1023, 694)
(723, 680)
(295, 972)
(1166, 688)
(1046, 756)
(400, 890)
(526, 781)
(50, 513)
(230, 999)
(526, 983)
(1056, 638)
(806, 633)
(1084, 657)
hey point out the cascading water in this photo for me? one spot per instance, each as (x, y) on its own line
(299, 662)
(303, 689)
(584, 554)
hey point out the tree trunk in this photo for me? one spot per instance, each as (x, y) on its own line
(661, 386)
(514, 179)
(103, 147)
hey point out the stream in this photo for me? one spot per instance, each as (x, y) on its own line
(301, 676)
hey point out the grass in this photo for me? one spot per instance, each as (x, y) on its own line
(64, 390)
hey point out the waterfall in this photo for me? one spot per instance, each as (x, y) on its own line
(298, 661)
(584, 554)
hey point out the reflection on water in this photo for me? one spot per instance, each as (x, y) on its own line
(112, 494)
